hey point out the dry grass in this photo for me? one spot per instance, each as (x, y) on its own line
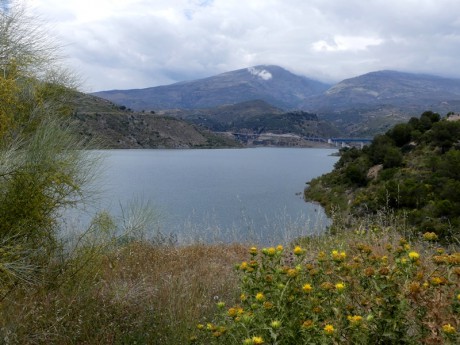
(138, 293)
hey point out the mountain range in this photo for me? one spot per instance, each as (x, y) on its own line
(272, 84)
(363, 105)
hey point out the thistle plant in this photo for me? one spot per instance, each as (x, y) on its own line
(356, 294)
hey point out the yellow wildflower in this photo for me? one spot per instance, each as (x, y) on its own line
(355, 319)
(200, 326)
(321, 256)
(292, 272)
(430, 236)
(260, 296)
(448, 328)
(307, 288)
(458, 297)
(279, 248)
(438, 281)
(340, 287)
(329, 329)
(298, 250)
(253, 250)
(414, 256)
(243, 297)
(232, 312)
(338, 256)
(244, 266)
(257, 340)
(271, 251)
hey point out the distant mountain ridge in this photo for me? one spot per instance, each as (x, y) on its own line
(272, 84)
(374, 102)
(389, 87)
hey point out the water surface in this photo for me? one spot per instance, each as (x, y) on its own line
(221, 195)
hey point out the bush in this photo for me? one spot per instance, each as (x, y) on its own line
(379, 292)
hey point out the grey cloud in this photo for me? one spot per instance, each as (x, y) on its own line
(153, 43)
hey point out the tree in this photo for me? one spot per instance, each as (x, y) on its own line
(43, 168)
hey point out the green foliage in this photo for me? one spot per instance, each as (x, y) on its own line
(420, 176)
(43, 168)
(356, 293)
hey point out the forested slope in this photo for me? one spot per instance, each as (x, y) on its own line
(413, 169)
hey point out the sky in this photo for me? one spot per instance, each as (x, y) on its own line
(125, 44)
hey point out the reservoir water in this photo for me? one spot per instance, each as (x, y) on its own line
(228, 195)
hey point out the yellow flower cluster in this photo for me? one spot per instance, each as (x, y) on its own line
(234, 312)
(355, 319)
(338, 256)
(257, 340)
(339, 282)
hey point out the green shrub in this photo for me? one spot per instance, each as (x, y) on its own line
(379, 292)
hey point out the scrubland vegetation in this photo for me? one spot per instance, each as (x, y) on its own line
(372, 279)
(416, 173)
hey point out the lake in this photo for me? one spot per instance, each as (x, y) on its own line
(253, 194)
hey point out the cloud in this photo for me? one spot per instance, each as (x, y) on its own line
(261, 73)
(346, 43)
(141, 43)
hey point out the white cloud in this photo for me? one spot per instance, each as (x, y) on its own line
(142, 43)
(261, 73)
(346, 43)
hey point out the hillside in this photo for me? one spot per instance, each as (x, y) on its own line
(413, 169)
(272, 84)
(259, 123)
(116, 127)
(374, 102)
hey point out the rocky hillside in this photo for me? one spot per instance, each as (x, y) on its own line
(114, 126)
(260, 118)
(271, 84)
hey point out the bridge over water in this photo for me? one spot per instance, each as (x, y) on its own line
(332, 141)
